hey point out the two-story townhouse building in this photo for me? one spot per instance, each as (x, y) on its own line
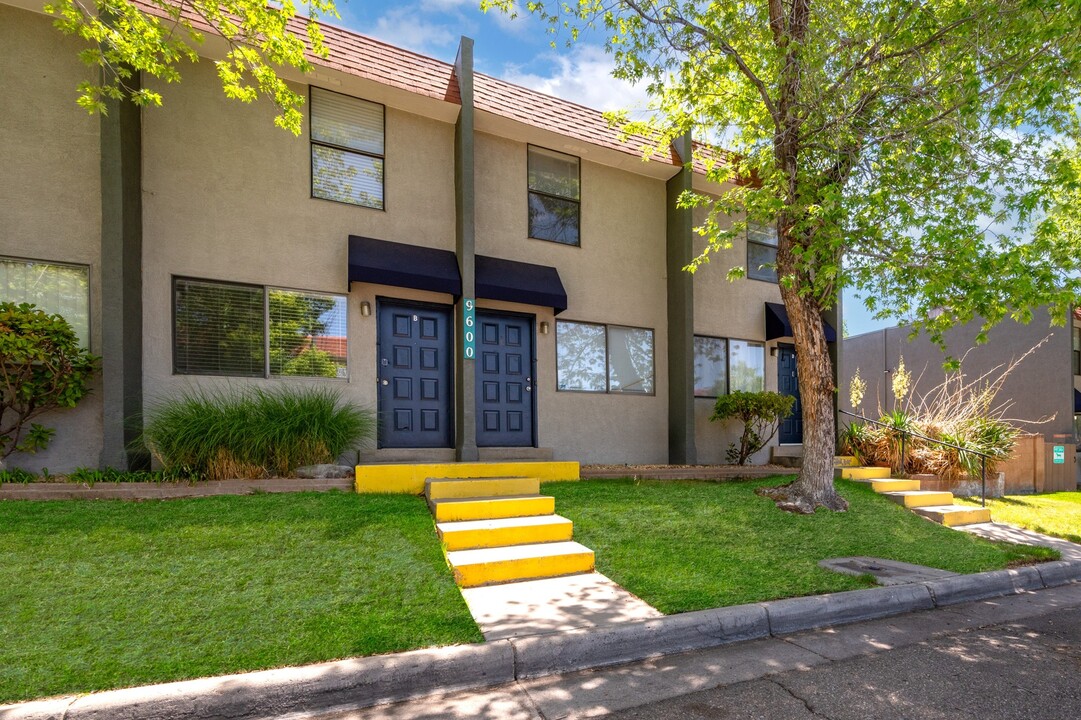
(493, 270)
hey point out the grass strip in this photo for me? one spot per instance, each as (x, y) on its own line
(1057, 514)
(692, 545)
(106, 594)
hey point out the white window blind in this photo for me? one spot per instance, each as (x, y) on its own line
(218, 329)
(57, 289)
(307, 334)
(347, 149)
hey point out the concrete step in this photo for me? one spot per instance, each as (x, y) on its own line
(473, 534)
(954, 515)
(920, 498)
(440, 489)
(890, 484)
(492, 507)
(520, 562)
(410, 477)
(863, 473)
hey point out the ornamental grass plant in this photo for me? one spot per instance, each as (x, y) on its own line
(253, 432)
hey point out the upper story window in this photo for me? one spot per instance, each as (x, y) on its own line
(762, 252)
(604, 358)
(57, 289)
(347, 149)
(722, 366)
(554, 196)
(253, 331)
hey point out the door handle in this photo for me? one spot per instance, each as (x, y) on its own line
(529, 388)
(385, 382)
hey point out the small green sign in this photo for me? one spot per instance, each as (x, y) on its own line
(469, 321)
(1059, 454)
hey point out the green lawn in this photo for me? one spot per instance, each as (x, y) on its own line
(104, 594)
(1057, 514)
(685, 545)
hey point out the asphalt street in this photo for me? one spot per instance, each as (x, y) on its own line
(1014, 657)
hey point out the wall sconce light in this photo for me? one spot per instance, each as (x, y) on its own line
(365, 308)
(544, 327)
(773, 351)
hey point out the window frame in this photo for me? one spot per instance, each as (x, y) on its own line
(530, 190)
(754, 273)
(89, 287)
(607, 360)
(266, 289)
(728, 363)
(312, 142)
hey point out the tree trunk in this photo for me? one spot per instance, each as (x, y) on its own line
(814, 486)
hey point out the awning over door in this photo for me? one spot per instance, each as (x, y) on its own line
(389, 263)
(520, 282)
(777, 324)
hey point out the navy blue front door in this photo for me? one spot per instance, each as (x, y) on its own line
(414, 375)
(505, 386)
(791, 430)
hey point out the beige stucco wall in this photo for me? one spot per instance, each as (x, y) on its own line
(733, 310)
(227, 196)
(50, 207)
(616, 276)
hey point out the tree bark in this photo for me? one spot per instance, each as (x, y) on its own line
(813, 487)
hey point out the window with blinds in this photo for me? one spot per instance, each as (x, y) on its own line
(254, 331)
(56, 288)
(554, 195)
(762, 252)
(603, 358)
(347, 137)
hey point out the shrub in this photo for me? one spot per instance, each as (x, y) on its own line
(42, 368)
(253, 432)
(760, 413)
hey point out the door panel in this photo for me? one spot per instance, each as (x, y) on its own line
(791, 430)
(414, 375)
(505, 388)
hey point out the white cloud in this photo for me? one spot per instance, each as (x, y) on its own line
(403, 27)
(583, 75)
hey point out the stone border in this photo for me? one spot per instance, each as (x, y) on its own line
(363, 682)
(164, 490)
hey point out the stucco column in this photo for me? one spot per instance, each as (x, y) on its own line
(121, 284)
(680, 251)
(465, 399)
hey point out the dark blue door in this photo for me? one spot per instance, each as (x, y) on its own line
(504, 381)
(791, 430)
(414, 375)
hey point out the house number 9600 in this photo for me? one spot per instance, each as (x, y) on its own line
(469, 322)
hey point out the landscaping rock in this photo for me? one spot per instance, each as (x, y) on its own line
(321, 472)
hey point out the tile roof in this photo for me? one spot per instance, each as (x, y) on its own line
(380, 62)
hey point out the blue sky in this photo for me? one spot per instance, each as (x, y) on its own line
(518, 50)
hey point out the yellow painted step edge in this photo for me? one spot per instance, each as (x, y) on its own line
(409, 477)
(929, 500)
(524, 569)
(503, 537)
(481, 487)
(863, 473)
(494, 508)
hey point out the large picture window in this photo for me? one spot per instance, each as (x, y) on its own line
(554, 196)
(348, 153)
(722, 366)
(762, 252)
(254, 331)
(604, 358)
(56, 288)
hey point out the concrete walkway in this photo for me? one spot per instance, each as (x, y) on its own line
(534, 607)
(1009, 533)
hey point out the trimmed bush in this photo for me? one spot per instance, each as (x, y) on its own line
(760, 413)
(42, 368)
(253, 432)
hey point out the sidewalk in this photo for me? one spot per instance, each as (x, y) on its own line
(1020, 536)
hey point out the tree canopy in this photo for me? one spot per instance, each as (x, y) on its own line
(156, 37)
(924, 153)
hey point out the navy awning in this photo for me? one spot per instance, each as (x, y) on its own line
(777, 324)
(389, 263)
(520, 282)
(1076, 401)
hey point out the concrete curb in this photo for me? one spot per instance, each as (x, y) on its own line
(363, 682)
(167, 490)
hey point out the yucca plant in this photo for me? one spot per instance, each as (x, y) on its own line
(253, 432)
